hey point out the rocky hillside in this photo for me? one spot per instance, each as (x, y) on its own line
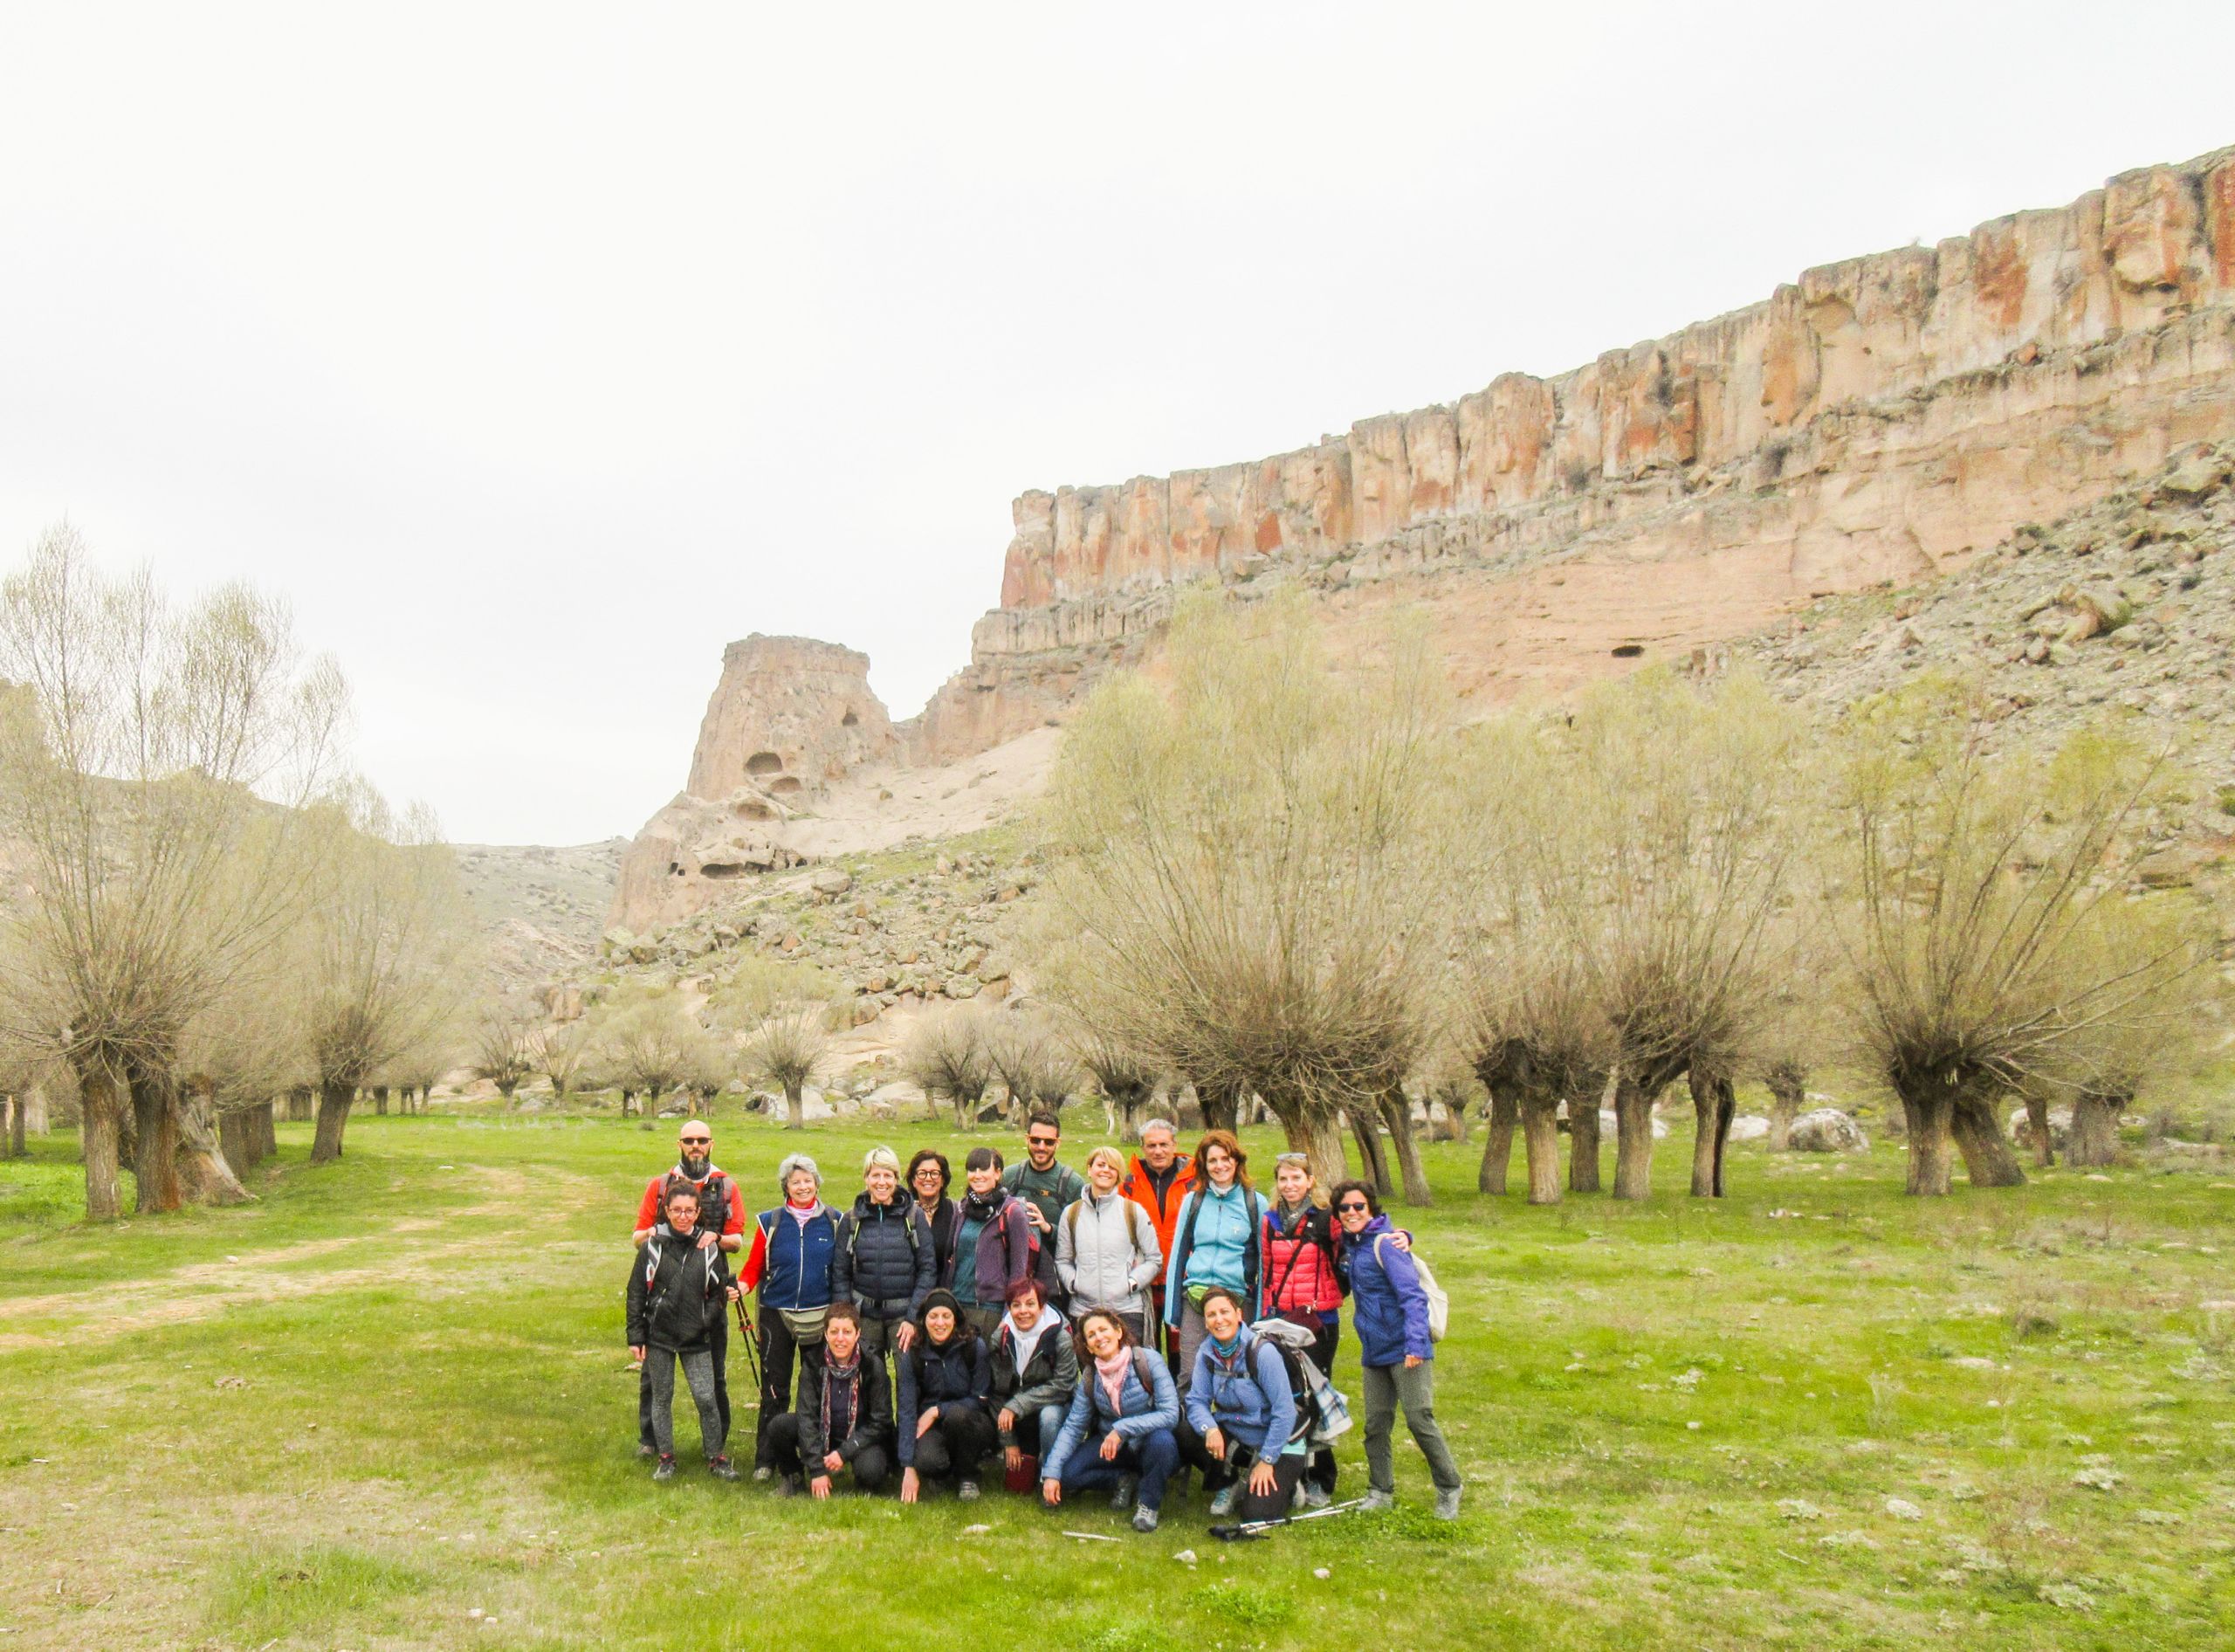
(2127, 603)
(540, 908)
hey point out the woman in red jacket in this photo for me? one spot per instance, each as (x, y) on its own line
(1302, 1283)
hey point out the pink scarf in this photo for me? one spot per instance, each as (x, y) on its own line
(1112, 1372)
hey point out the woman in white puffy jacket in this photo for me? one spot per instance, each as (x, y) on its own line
(1106, 1252)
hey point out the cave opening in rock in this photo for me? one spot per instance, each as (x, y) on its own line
(721, 869)
(1628, 650)
(849, 721)
(785, 786)
(764, 763)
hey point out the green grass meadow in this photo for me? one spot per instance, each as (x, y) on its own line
(387, 1406)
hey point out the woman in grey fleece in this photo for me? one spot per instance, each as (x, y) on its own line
(1106, 1252)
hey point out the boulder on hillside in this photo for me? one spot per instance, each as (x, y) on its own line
(836, 881)
(1828, 1130)
(1749, 1126)
(1610, 1124)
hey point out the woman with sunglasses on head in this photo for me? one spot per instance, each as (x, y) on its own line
(1390, 1312)
(1303, 1284)
(1217, 1240)
(1122, 1426)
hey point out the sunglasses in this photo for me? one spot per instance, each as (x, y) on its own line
(1042, 1141)
(1349, 1205)
(698, 1141)
(1292, 1158)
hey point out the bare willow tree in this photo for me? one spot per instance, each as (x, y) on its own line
(379, 950)
(561, 1053)
(1682, 812)
(142, 751)
(648, 1044)
(1536, 1035)
(786, 1050)
(1799, 1032)
(1258, 863)
(503, 1047)
(1990, 938)
(944, 1054)
(1123, 1077)
(1032, 1061)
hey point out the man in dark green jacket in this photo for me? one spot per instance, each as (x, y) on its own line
(1048, 1189)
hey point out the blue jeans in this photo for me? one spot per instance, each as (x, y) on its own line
(1037, 1431)
(1152, 1455)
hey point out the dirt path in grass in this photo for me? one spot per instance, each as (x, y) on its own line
(412, 1250)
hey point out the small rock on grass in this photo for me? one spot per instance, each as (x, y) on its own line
(1799, 1509)
(1902, 1509)
(2098, 1478)
(1185, 1557)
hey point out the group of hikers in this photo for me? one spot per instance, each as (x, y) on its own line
(1113, 1330)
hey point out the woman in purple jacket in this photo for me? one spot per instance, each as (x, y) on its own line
(1389, 1312)
(992, 1243)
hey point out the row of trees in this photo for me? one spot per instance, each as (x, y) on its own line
(1314, 885)
(207, 909)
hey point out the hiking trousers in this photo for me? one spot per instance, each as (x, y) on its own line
(718, 1344)
(954, 1446)
(779, 1350)
(872, 1464)
(698, 1373)
(1153, 1456)
(1387, 1387)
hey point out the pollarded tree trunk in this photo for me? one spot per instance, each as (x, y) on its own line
(333, 1101)
(1988, 1160)
(1497, 1151)
(1583, 1144)
(794, 1107)
(154, 1159)
(9, 1104)
(204, 1169)
(16, 1124)
(379, 1101)
(1633, 1137)
(1715, 1102)
(1221, 1107)
(2036, 1125)
(2094, 1139)
(236, 1135)
(101, 1105)
(267, 1129)
(1373, 1162)
(298, 1104)
(1928, 1112)
(1318, 1135)
(1788, 1095)
(1399, 1113)
(1540, 1136)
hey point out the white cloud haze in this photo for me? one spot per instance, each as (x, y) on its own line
(537, 351)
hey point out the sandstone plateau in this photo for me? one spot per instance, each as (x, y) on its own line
(1877, 421)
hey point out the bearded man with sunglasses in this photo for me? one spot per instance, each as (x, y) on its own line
(1048, 1188)
(721, 1221)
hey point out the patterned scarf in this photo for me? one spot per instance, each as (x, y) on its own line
(851, 1371)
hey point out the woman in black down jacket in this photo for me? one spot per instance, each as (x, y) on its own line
(677, 1294)
(945, 1427)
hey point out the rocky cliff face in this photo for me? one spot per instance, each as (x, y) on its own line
(1879, 418)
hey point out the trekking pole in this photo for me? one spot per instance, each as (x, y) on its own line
(752, 1347)
(1245, 1529)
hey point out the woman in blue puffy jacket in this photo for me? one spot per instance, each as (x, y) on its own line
(1121, 1423)
(1242, 1417)
(1389, 1312)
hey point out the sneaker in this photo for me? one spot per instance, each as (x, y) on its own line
(722, 1469)
(1379, 1500)
(644, 1453)
(762, 1473)
(1318, 1496)
(967, 1491)
(1297, 1497)
(1128, 1484)
(666, 1471)
(1222, 1502)
(1144, 1519)
(794, 1486)
(1446, 1503)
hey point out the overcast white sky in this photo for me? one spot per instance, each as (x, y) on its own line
(537, 351)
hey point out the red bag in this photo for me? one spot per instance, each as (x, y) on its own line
(1025, 1477)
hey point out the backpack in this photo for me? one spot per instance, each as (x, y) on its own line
(1322, 1412)
(1134, 1217)
(713, 1197)
(1031, 1235)
(1438, 1299)
(854, 1236)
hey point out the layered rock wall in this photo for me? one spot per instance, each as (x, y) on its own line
(1897, 410)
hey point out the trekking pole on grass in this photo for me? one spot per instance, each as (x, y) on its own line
(1246, 1529)
(752, 1346)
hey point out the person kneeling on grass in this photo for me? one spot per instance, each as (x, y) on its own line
(1034, 1369)
(844, 1418)
(944, 1379)
(678, 1293)
(1242, 1417)
(1397, 1355)
(1119, 1430)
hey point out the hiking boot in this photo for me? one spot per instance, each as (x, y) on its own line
(721, 1468)
(1144, 1519)
(1222, 1502)
(794, 1485)
(644, 1453)
(1318, 1496)
(762, 1473)
(1379, 1500)
(666, 1471)
(1128, 1484)
(1446, 1503)
(967, 1491)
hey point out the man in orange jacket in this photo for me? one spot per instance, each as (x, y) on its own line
(1156, 1179)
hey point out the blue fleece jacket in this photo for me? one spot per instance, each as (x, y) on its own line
(1388, 1309)
(1244, 1394)
(1225, 1249)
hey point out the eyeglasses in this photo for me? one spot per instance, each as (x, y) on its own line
(1351, 1206)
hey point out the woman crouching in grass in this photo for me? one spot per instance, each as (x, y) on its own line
(677, 1294)
(1242, 1417)
(844, 1416)
(1119, 1430)
(946, 1380)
